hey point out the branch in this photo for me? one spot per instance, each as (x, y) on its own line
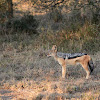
(49, 4)
(59, 2)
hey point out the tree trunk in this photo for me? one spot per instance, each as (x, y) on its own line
(10, 9)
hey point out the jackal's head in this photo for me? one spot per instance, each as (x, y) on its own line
(53, 51)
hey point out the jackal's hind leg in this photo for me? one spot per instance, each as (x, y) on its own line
(85, 66)
(63, 71)
(88, 74)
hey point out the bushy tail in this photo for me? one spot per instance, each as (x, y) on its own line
(91, 66)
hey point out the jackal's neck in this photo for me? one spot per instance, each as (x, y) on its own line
(55, 57)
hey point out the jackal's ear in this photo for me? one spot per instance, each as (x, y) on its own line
(54, 48)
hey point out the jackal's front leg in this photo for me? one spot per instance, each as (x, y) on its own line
(63, 71)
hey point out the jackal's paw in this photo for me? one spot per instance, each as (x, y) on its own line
(88, 77)
(63, 77)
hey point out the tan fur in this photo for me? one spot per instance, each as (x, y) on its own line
(83, 60)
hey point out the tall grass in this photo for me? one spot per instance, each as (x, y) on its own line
(85, 39)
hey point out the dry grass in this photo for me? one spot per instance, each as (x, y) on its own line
(28, 73)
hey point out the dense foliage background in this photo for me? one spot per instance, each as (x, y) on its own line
(72, 25)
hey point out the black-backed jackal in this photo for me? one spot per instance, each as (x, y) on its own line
(65, 59)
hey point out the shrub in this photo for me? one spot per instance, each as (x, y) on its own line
(27, 23)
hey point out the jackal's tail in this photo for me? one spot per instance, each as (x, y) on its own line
(91, 66)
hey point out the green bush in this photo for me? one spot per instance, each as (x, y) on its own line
(27, 23)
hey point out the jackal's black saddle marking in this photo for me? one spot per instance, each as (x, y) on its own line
(70, 55)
